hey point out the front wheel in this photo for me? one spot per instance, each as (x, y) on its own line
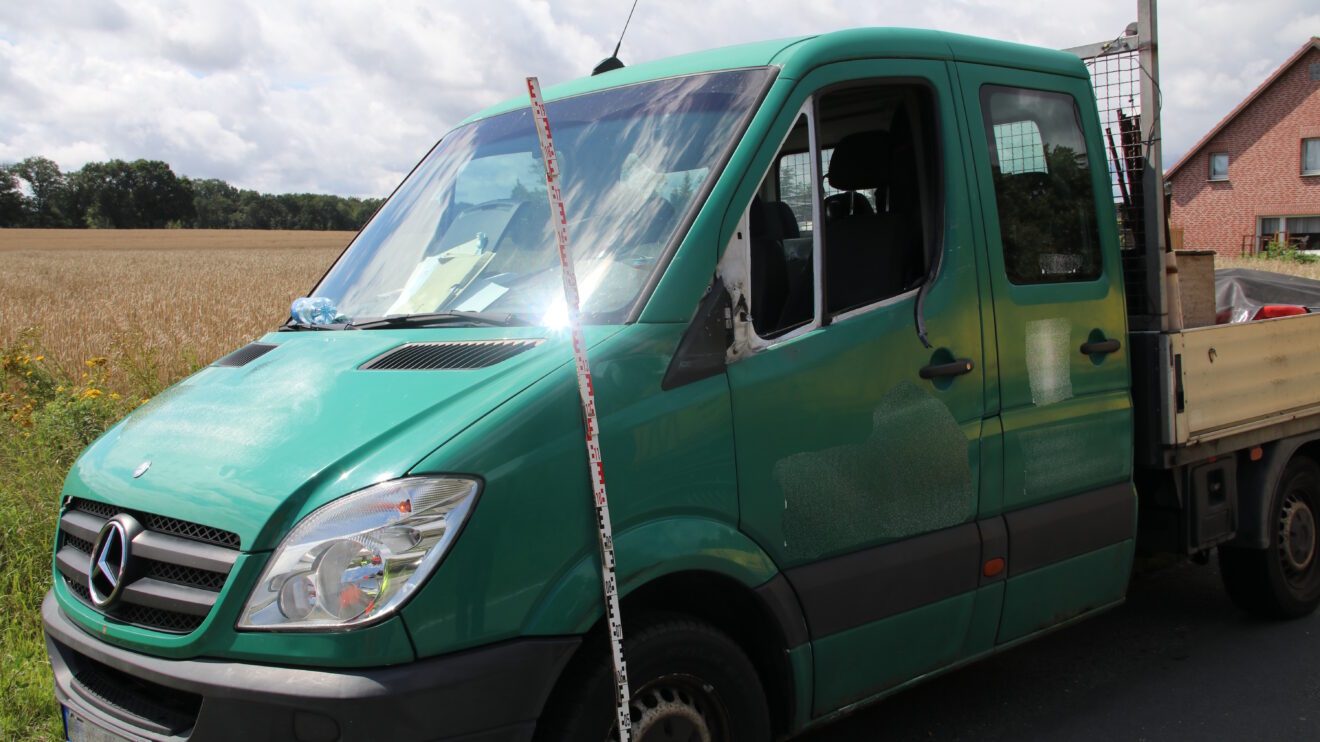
(688, 680)
(1282, 581)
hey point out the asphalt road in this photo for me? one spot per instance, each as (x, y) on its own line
(1177, 662)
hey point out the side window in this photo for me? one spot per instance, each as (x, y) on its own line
(881, 177)
(874, 198)
(1042, 180)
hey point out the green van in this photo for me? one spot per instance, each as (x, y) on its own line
(832, 287)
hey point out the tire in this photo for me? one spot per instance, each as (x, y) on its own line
(1282, 581)
(688, 681)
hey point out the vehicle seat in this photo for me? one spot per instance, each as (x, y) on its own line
(846, 204)
(862, 261)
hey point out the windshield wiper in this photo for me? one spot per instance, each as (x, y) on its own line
(440, 319)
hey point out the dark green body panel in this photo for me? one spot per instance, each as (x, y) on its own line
(841, 444)
(1066, 416)
(527, 561)
(817, 416)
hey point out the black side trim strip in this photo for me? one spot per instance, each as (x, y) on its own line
(778, 597)
(856, 589)
(1044, 534)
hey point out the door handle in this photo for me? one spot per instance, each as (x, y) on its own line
(958, 367)
(1100, 347)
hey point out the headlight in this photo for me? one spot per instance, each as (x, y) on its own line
(360, 557)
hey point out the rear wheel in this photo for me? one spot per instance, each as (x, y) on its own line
(688, 681)
(1282, 581)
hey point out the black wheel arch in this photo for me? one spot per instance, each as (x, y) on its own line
(1257, 481)
(765, 622)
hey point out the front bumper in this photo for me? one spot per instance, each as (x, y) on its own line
(490, 693)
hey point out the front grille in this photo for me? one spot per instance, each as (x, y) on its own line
(161, 524)
(77, 543)
(194, 531)
(174, 575)
(159, 619)
(99, 509)
(167, 709)
(190, 576)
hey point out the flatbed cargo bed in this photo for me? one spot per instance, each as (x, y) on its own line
(1243, 377)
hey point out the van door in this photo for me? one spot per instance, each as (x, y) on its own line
(1061, 336)
(858, 445)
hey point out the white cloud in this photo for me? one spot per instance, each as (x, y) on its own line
(345, 96)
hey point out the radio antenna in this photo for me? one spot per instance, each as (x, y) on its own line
(612, 62)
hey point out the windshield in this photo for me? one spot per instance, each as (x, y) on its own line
(469, 230)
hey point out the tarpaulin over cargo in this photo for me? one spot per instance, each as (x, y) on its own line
(1243, 292)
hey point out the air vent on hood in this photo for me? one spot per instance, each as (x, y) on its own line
(245, 355)
(437, 356)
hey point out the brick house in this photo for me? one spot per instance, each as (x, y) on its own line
(1256, 176)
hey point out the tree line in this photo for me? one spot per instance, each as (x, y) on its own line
(147, 193)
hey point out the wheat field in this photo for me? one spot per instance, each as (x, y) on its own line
(161, 303)
(158, 303)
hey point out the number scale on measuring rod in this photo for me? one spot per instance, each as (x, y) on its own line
(608, 581)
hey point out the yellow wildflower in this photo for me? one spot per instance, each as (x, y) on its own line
(91, 394)
(114, 395)
(39, 359)
(144, 401)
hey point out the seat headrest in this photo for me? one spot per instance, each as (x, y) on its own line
(860, 161)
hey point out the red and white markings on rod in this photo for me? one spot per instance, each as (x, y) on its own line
(603, 530)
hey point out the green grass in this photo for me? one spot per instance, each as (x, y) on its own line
(45, 421)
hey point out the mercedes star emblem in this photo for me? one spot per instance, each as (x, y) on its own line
(110, 559)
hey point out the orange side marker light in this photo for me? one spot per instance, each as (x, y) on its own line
(1256, 454)
(993, 567)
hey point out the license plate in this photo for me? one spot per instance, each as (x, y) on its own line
(79, 729)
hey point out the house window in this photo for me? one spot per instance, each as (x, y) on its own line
(1301, 232)
(1311, 156)
(1304, 231)
(1218, 166)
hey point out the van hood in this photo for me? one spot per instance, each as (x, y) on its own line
(250, 449)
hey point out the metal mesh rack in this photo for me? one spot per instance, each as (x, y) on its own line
(1123, 73)
(1116, 79)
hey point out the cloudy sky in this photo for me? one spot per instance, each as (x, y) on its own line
(344, 97)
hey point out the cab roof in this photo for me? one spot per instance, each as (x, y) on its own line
(797, 56)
